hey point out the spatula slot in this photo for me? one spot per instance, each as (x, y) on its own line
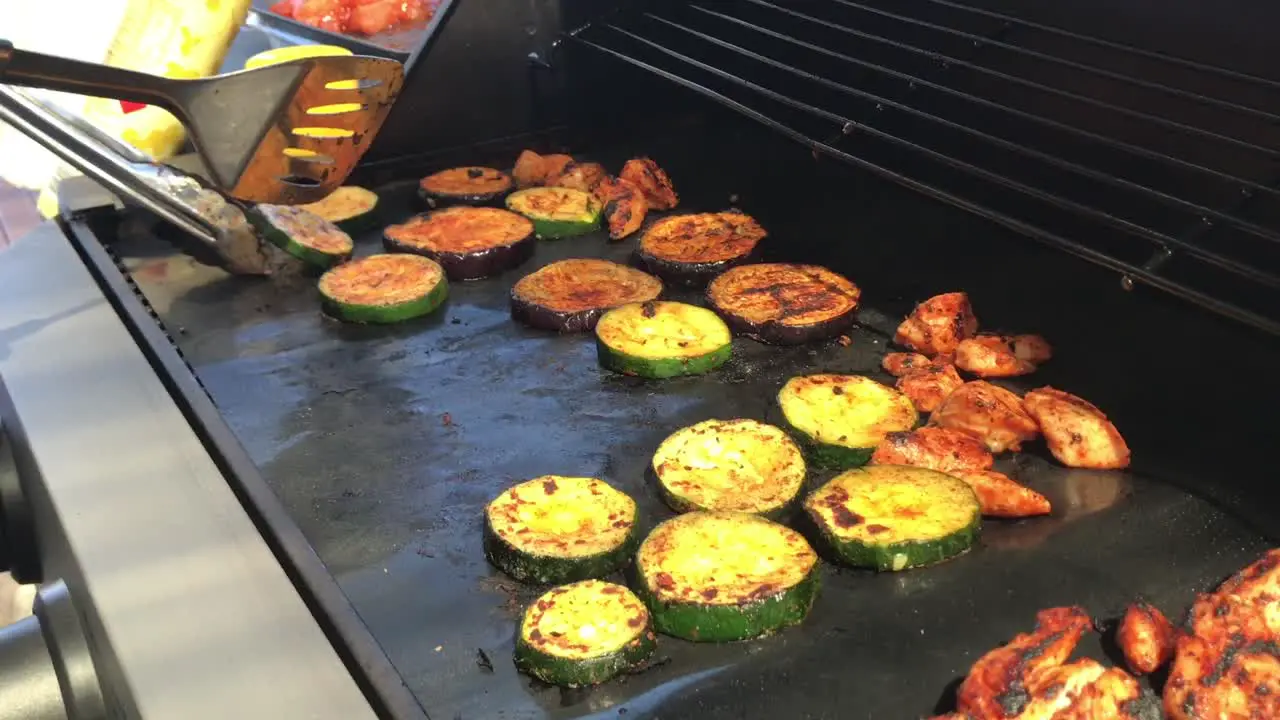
(322, 132)
(336, 109)
(354, 84)
(299, 181)
(308, 156)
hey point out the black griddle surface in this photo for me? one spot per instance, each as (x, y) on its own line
(385, 444)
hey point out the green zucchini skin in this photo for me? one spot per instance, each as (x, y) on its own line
(548, 228)
(833, 456)
(582, 673)
(347, 311)
(361, 222)
(825, 456)
(728, 623)
(546, 570)
(906, 555)
(266, 219)
(681, 505)
(616, 334)
(660, 368)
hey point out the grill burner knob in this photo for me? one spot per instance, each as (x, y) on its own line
(46, 672)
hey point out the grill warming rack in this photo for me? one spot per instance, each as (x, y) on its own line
(1160, 168)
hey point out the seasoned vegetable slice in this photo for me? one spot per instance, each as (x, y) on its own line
(557, 212)
(659, 339)
(468, 242)
(353, 209)
(302, 234)
(383, 288)
(784, 304)
(716, 577)
(840, 419)
(464, 186)
(730, 465)
(584, 634)
(895, 517)
(556, 529)
(692, 249)
(571, 295)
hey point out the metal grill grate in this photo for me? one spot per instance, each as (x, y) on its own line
(1161, 168)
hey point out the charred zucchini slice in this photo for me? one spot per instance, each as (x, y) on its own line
(840, 419)
(730, 465)
(351, 208)
(584, 634)
(464, 186)
(571, 295)
(717, 577)
(784, 304)
(894, 517)
(302, 234)
(468, 242)
(383, 288)
(658, 339)
(692, 249)
(555, 529)
(557, 212)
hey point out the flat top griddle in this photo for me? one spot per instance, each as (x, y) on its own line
(385, 443)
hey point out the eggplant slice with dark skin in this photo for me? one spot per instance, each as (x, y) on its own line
(784, 304)
(468, 242)
(570, 295)
(693, 249)
(464, 186)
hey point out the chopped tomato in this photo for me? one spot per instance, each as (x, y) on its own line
(360, 17)
(370, 18)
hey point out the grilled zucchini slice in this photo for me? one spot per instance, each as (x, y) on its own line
(557, 212)
(661, 339)
(468, 242)
(464, 186)
(785, 304)
(722, 576)
(351, 208)
(895, 517)
(302, 234)
(554, 529)
(840, 419)
(571, 295)
(730, 465)
(692, 249)
(584, 634)
(383, 289)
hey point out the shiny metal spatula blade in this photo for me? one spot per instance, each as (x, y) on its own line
(287, 134)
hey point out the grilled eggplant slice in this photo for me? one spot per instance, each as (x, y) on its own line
(895, 517)
(784, 304)
(383, 288)
(302, 234)
(840, 419)
(1146, 638)
(571, 295)
(555, 529)
(718, 577)
(988, 412)
(464, 186)
(652, 181)
(1079, 435)
(938, 324)
(468, 242)
(351, 208)
(624, 206)
(692, 249)
(730, 465)
(584, 634)
(557, 212)
(578, 176)
(658, 339)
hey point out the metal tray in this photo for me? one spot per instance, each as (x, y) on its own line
(404, 44)
(384, 444)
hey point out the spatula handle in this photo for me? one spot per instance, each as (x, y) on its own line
(50, 72)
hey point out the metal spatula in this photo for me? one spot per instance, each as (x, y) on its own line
(287, 134)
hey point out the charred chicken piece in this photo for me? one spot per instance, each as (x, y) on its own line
(1031, 348)
(990, 356)
(624, 206)
(990, 413)
(940, 449)
(899, 364)
(1109, 696)
(1247, 603)
(938, 324)
(929, 387)
(530, 169)
(577, 176)
(652, 181)
(999, 684)
(1146, 638)
(1001, 496)
(1079, 435)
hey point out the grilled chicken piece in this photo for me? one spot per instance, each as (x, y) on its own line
(929, 387)
(624, 205)
(1001, 496)
(1146, 638)
(990, 356)
(990, 413)
(1109, 696)
(1031, 348)
(899, 364)
(577, 176)
(530, 169)
(938, 324)
(652, 181)
(938, 449)
(999, 680)
(1079, 435)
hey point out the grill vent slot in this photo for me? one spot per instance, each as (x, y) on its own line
(1160, 168)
